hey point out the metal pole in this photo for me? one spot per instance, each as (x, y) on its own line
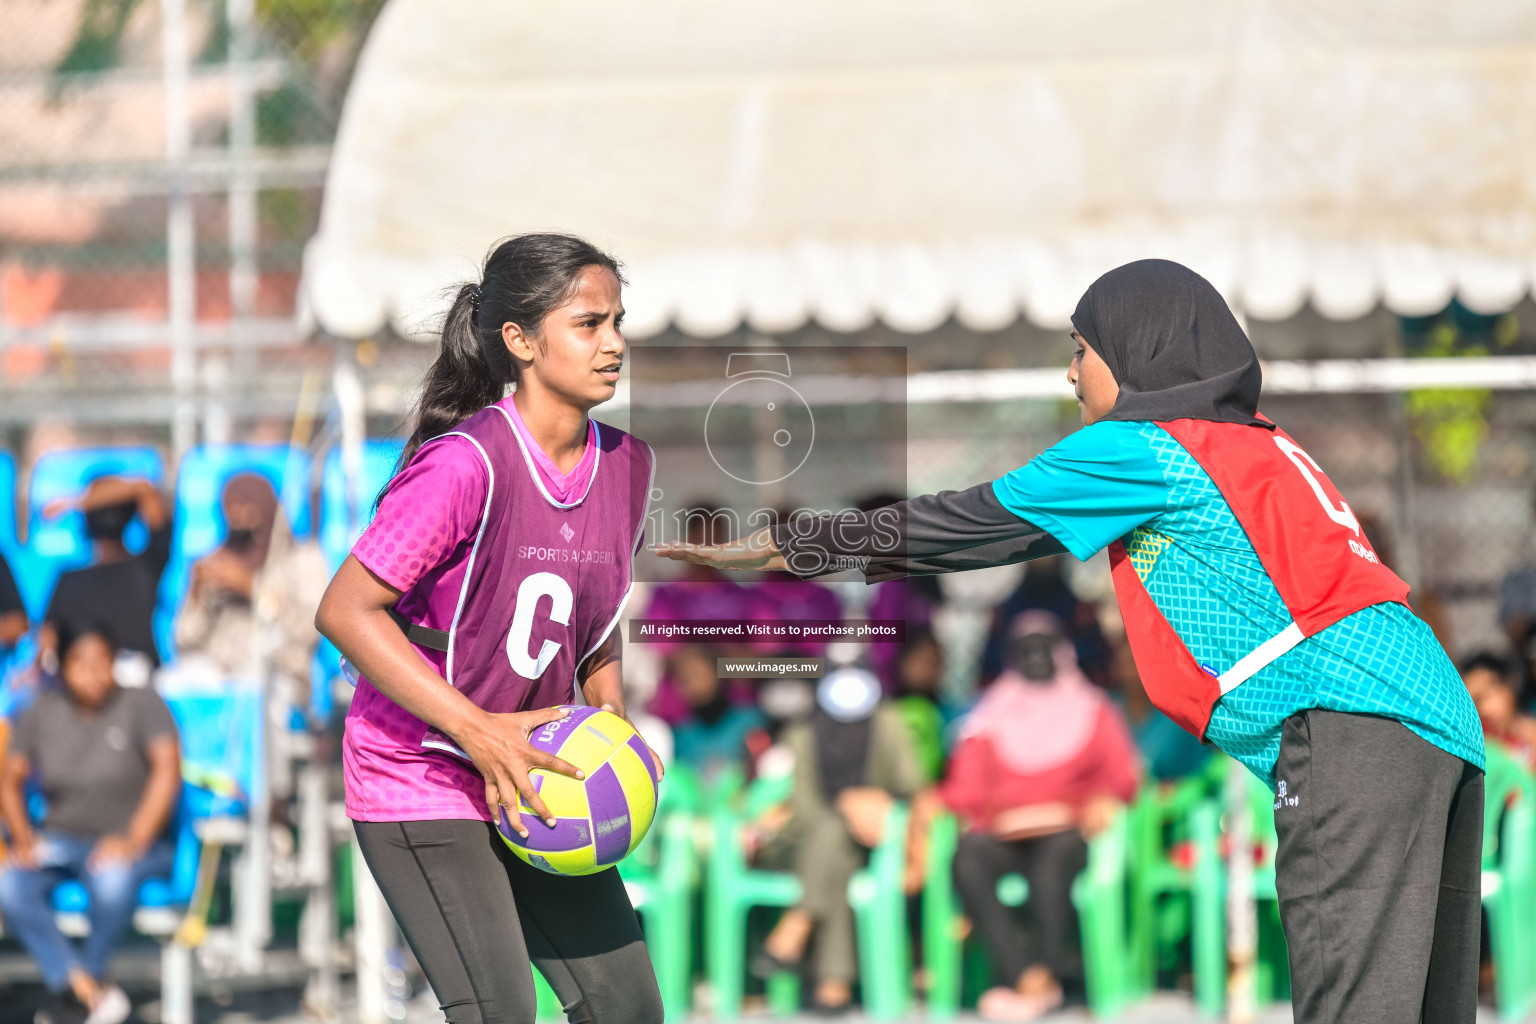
(1409, 555)
(317, 926)
(253, 881)
(374, 937)
(347, 383)
(181, 240)
(176, 978)
(243, 274)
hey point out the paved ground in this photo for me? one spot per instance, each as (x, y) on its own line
(245, 1003)
(282, 1006)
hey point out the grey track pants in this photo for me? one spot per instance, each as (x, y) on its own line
(475, 916)
(1378, 872)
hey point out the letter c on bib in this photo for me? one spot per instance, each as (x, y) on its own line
(540, 584)
(1339, 513)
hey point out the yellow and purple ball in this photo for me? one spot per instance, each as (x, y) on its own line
(599, 820)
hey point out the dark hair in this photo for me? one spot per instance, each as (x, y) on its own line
(1495, 663)
(71, 633)
(523, 278)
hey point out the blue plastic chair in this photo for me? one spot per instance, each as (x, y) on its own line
(55, 545)
(15, 557)
(338, 533)
(221, 731)
(8, 538)
(337, 530)
(199, 512)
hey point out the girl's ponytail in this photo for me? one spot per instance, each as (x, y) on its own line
(459, 382)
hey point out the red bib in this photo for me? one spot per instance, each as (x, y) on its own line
(1307, 538)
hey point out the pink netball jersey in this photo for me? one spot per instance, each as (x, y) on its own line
(525, 571)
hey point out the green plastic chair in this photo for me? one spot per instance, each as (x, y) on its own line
(1099, 894)
(1209, 929)
(1161, 820)
(1509, 882)
(660, 877)
(880, 912)
(733, 889)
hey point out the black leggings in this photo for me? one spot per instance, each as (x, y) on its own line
(1379, 872)
(475, 917)
(1044, 931)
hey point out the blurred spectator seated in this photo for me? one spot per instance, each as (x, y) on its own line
(919, 675)
(852, 758)
(785, 597)
(1517, 611)
(1495, 689)
(117, 590)
(1044, 588)
(912, 599)
(699, 592)
(18, 682)
(1168, 752)
(1524, 667)
(106, 760)
(1044, 762)
(13, 612)
(258, 566)
(713, 737)
(58, 541)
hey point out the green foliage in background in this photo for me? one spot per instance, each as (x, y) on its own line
(1451, 424)
(321, 37)
(96, 39)
(310, 28)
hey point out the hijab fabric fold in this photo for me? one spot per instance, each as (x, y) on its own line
(1172, 344)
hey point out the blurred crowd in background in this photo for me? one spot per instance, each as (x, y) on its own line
(1036, 746)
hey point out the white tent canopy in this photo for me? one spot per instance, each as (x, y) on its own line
(771, 161)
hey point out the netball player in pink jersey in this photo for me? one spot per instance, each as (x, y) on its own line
(485, 594)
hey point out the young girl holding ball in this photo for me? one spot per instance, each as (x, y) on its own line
(470, 622)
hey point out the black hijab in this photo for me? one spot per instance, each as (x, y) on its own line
(1174, 347)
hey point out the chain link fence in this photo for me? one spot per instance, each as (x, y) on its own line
(161, 169)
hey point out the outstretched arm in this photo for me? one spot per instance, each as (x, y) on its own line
(951, 531)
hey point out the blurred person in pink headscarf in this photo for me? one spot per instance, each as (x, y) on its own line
(1045, 759)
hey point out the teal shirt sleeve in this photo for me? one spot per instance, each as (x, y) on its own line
(1090, 489)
